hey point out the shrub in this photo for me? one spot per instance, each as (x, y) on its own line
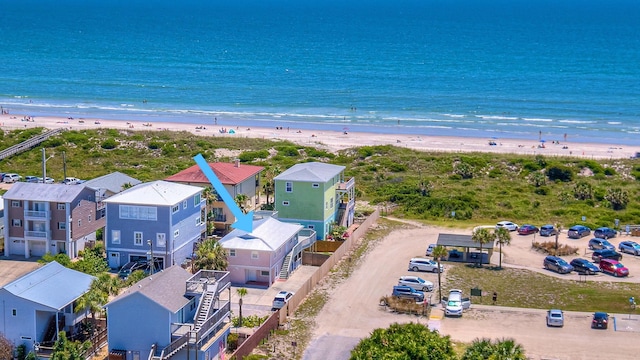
(559, 172)
(109, 144)
(154, 145)
(549, 247)
(249, 156)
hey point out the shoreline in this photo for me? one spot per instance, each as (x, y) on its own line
(334, 141)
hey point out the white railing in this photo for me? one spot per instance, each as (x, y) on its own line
(36, 234)
(36, 214)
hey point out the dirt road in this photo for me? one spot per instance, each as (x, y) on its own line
(353, 310)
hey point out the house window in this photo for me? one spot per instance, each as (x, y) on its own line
(115, 236)
(285, 203)
(79, 222)
(196, 200)
(184, 204)
(198, 221)
(62, 225)
(89, 217)
(315, 185)
(311, 226)
(176, 233)
(14, 312)
(161, 239)
(326, 205)
(232, 252)
(264, 273)
(16, 222)
(62, 206)
(175, 209)
(137, 238)
(288, 186)
(133, 212)
(254, 255)
(331, 203)
(15, 203)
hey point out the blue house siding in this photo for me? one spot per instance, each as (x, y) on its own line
(146, 322)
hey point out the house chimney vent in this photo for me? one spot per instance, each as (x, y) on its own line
(237, 163)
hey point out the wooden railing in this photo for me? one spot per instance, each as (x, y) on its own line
(28, 144)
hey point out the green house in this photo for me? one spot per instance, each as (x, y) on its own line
(315, 195)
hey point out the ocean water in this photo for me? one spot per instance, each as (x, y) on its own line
(481, 68)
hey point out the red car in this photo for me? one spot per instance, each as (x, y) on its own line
(527, 229)
(613, 267)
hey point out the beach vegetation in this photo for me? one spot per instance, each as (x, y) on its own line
(617, 198)
(249, 156)
(109, 144)
(560, 173)
(583, 190)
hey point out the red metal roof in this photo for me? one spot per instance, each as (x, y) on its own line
(227, 173)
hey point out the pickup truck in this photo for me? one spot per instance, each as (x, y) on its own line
(455, 304)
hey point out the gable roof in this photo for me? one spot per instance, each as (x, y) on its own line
(311, 172)
(44, 192)
(113, 182)
(52, 285)
(460, 240)
(158, 192)
(268, 235)
(227, 173)
(165, 288)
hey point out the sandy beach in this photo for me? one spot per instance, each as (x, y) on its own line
(335, 140)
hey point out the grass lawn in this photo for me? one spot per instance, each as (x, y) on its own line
(528, 289)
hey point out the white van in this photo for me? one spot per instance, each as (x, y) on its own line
(11, 178)
(455, 304)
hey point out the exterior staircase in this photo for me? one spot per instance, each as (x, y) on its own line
(284, 272)
(205, 308)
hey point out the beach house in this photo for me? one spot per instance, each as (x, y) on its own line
(33, 304)
(50, 218)
(238, 179)
(271, 251)
(315, 195)
(171, 315)
(158, 219)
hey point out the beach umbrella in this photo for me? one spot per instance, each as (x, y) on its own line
(543, 140)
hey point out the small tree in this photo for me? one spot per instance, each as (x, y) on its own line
(64, 349)
(504, 349)
(210, 255)
(241, 201)
(241, 292)
(482, 236)
(503, 237)
(6, 347)
(618, 198)
(438, 253)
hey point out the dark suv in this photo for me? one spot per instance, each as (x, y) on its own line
(606, 254)
(408, 292)
(578, 231)
(548, 230)
(604, 233)
(584, 266)
(557, 264)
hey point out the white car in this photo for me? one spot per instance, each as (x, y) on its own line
(281, 299)
(430, 249)
(455, 304)
(507, 225)
(47, 180)
(71, 181)
(415, 282)
(555, 317)
(420, 264)
(11, 178)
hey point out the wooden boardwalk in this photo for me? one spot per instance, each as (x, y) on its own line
(28, 144)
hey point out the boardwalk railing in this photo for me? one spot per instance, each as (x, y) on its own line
(28, 144)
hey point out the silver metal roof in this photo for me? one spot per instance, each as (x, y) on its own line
(52, 285)
(163, 193)
(268, 234)
(43, 192)
(311, 172)
(113, 182)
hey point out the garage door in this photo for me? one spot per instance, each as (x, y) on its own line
(38, 248)
(16, 247)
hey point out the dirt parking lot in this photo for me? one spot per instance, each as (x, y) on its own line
(353, 310)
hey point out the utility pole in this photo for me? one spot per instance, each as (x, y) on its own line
(151, 262)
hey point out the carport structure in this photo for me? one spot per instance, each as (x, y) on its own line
(465, 241)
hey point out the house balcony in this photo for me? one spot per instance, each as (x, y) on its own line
(346, 185)
(36, 235)
(36, 215)
(219, 218)
(205, 279)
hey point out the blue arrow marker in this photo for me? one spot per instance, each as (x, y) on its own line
(243, 221)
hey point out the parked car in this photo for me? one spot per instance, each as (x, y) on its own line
(527, 229)
(281, 299)
(130, 267)
(584, 266)
(630, 247)
(606, 254)
(548, 230)
(604, 233)
(596, 244)
(613, 267)
(47, 180)
(455, 254)
(600, 320)
(430, 249)
(578, 231)
(507, 225)
(71, 181)
(455, 304)
(1, 176)
(11, 178)
(407, 292)
(557, 264)
(31, 179)
(415, 282)
(555, 317)
(420, 264)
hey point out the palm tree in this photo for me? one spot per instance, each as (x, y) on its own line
(241, 292)
(503, 237)
(508, 349)
(210, 255)
(482, 236)
(438, 253)
(241, 201)
(269, 183)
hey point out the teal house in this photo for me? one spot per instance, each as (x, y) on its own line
(315, 195)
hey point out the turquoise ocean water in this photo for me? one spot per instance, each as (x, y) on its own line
(482, 68)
